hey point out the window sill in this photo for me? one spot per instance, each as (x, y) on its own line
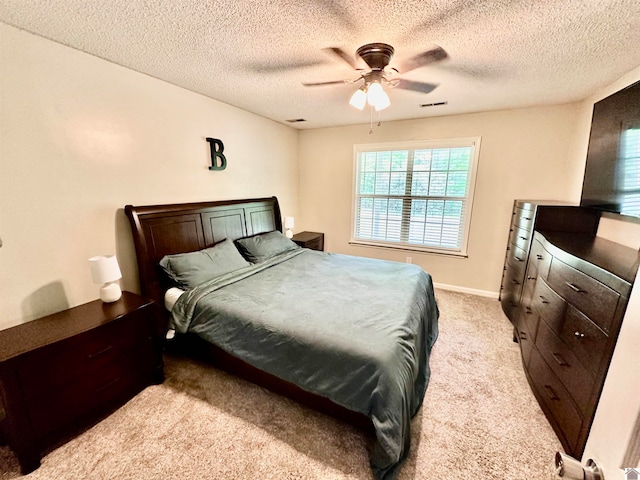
(408, 248)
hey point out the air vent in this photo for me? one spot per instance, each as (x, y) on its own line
(296, 120)
(436, 104)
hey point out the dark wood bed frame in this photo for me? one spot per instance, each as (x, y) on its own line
(160, 230)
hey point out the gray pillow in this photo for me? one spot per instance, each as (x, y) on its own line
(264, 246)
(188, 270)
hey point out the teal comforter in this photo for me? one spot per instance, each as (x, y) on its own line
(355, 330)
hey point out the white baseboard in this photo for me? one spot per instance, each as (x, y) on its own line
(472, 291)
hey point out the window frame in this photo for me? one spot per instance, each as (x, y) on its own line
(417, 145)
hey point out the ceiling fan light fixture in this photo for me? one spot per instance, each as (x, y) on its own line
(377, 97)
(359, 98)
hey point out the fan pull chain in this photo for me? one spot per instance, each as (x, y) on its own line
(370, 120)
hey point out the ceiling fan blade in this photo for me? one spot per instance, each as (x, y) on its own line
(344, 56)
(316, 84)
(422, 87)
(425, 58)
(278, 67)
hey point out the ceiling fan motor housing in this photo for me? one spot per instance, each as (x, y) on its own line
(376, 55)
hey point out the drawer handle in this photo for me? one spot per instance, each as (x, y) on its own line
(101, 352)
(515, 282)
(579, 335)
(560, 360)
(574, 287)
(523, 238)
(528, 310)
(529, 277)
(539, 257)
(543, 299)
(107, 385)
(526, 218)
(552, 393)
(518, 259)
(523, 336)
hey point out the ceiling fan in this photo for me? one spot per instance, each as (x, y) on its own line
(377, 56)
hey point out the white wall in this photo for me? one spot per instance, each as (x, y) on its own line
(525, 153)
(80, 138)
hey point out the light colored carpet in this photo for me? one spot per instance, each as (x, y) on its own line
(479, 420)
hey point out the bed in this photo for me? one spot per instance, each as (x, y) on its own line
(346, 335)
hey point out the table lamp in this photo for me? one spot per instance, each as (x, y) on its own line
(288, 224)
(105, 271)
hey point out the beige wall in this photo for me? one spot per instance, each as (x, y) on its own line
(525, 153)
(80, 138)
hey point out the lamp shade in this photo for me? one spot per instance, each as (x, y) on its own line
(359, 98)
(104, 269)
(377, 97)
(288, 222)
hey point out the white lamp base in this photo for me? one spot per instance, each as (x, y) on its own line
(288, 233)
(110, 292)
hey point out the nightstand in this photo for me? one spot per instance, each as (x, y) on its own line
(312, 240)
(63, 371)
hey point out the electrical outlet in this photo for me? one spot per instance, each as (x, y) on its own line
(409, 260)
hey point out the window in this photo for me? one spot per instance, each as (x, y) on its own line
(415, 195)
(630, 174)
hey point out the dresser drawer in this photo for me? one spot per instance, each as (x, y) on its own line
(517, 257)
(540, 258)
(527, 328)
(66, 361)
(521, 239)
(556, 398)
(549, 305)
(585, 339)
(573, 375)
(595, 300)
(523, 218)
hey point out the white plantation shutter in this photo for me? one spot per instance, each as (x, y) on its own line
(415, 195)
(630, 175)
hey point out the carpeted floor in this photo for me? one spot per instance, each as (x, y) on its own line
(479, 420)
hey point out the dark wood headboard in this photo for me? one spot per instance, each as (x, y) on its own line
(160, 230)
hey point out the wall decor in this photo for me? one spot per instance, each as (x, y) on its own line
(218, 160)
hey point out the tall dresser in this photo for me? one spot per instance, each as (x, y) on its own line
(573, 296)
(527, 216)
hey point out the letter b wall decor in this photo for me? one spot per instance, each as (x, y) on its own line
(218, 160)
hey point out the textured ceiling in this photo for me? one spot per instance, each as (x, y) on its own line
(255, 54)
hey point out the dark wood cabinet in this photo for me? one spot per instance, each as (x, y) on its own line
(63, 371)
(526, 217)
(312, 240)
(575, 292)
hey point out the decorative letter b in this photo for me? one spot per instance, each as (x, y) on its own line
(218, 160)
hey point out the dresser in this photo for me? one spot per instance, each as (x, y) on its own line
(574, 295)
(61, 372)
(526, 217)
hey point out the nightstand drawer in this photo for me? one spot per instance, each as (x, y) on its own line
(312, 240)
(98, 387)
(64, 362)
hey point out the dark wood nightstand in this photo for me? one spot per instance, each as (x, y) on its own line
(312, 240)
(65, 370)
